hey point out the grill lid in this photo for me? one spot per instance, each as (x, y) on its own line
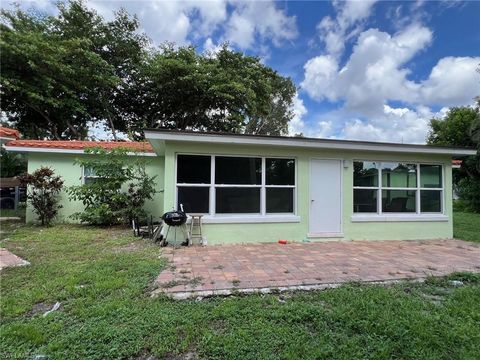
(175, 218)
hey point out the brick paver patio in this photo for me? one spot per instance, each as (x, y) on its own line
(8, 259)
(216, 270)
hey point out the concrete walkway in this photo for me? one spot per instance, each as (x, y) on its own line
(221, 270)
(8, 259)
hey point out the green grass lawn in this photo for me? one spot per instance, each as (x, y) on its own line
(103, 280)
(466, 226)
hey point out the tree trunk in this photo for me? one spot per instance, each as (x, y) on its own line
(112, 127)
(74, 131)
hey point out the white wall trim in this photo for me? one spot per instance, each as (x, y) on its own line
(303, 143)
(245, 219)
(399, 218)
(63, 151)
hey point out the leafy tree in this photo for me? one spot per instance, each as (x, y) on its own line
(61, 72)
(11, 164)
(119, 190)
(461, 127)
(454, 129)
(43, 190)
(118, 43)
(227, 91)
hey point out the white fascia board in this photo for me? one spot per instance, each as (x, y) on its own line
(302, 143)
(24, 149)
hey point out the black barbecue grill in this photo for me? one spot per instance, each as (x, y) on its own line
(175, 218)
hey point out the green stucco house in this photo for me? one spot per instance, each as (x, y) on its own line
(264, 188)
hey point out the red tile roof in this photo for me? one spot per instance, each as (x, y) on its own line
(80, 145)
(9, 133)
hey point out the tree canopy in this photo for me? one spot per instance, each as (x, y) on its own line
(226, 91)
(461, 127)
(62, 73)
(59, 73)
(455, 129)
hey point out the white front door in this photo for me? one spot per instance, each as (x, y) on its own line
(325, 197)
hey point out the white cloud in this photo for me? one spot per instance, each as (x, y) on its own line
(324, 129)
(182, 21)
(398, 125)
(350, 15)
(373, 73)
(259, 18)
(246, 24)
(297, 125)
(390, 124)
(452, 81)
(377, 74)
(173, 21)
(46, 6)
(240, 31)
(211, 47)
(320, 73)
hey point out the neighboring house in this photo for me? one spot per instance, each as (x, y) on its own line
(265, 188)
(10, 190)
(61, 155)
(7, 134)
(456, 165)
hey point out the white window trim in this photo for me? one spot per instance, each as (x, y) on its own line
(404, 216)
(87, 176)
(396, 217)
(262, 216)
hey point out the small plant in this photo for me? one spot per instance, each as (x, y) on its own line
(43, 190)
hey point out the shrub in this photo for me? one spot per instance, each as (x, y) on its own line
(119, 189)
(43, 190)
(469, 191)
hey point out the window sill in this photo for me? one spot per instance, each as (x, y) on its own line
(245, 219)
(399, 218)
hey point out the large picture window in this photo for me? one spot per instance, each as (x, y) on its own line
(226, 185)
(397, 187)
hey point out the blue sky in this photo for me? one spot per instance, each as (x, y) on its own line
(368, 70)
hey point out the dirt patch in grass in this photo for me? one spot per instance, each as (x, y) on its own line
(146, 356)
(219, 326)
(39, 309)
(132, 247)
(186, 356)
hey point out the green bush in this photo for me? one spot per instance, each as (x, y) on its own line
(118, 190)
(43, 189)
(469, 192)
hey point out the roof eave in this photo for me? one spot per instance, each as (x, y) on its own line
(26, 149)
(304, 143)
